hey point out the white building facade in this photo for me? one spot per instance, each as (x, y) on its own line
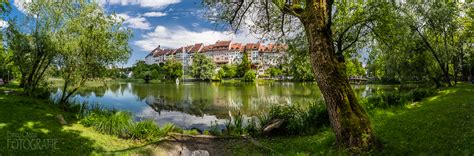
(224, 52)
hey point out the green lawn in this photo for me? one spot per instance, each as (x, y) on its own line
(439, 125)
(25, 120)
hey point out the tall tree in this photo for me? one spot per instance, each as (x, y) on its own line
(349, 121)
(35, 46)
(203, 67)
(173, 69)
(244, 66)
(91, 41)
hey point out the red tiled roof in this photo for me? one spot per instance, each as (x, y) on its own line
(196, 48)
(252, 46)
(220, 46)
(207, 48)
(236, 46)
(222, 43)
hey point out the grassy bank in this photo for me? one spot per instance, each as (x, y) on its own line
(29, 125)
(439, 125)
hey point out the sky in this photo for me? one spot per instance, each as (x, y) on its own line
(168, 23)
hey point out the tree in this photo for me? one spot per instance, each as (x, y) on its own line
(90, 42)
(299, 62)
(420, 41)
(203, 67)
(173, 69)
(249, 76)
(244, 66)
(348, 119)
(230, 71)
(273, 71)
(35, 47)
(354, 68)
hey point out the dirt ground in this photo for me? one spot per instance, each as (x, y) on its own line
(186, 145)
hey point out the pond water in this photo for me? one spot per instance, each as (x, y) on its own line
(197, 104)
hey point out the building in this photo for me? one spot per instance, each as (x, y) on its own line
(224, 52)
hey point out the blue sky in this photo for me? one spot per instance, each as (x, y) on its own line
(168, 23)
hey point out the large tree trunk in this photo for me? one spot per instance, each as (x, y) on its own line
(348, 119)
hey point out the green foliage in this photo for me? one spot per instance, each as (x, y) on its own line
(173, 69)
(34, 48)
(419, 93)
(396, 98)
(214, 129)
(110, 122)
(148, 130)
(202, 67)
(299, 119)
(220, 74)
(299, 63)
(235, 126)
(244, 66)
(78, 38)
(121, 124)
(230, 71)
(273, 71)
(354, 68)
(249, 76)
(141, 70)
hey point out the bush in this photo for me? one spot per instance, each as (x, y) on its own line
(420, 93)
(146, 130)
(384, 100)
(235, 126)
(249, 76)
(214, 129)
(121, 124)
(300, 119)
(391, 99)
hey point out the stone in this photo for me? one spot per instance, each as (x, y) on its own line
(61, 119)
(275, 123)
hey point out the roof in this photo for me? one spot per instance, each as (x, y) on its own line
(207, 48)
(222, 43)
(236, 46)
(219, 46)
(196, 48)
(252, 46)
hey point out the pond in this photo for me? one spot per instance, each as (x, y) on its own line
(197, 104)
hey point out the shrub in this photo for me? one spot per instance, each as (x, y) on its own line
(252, 128)
(114, 123)
(391, 99)
(121, 124)
(235, 126)
(299, 119)
(146, 130)
(214, 129)
(420, 93)
(249, 76)
(167, 128)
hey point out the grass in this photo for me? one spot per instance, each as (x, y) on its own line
(25, 119)
(438, 125)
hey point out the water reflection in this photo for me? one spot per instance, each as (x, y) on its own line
(196, 104)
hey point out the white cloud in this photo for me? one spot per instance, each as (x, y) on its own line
(154, 14)
(3, 24)
(179, 36)
(21, 4)
(135, 22)
(156, 4)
